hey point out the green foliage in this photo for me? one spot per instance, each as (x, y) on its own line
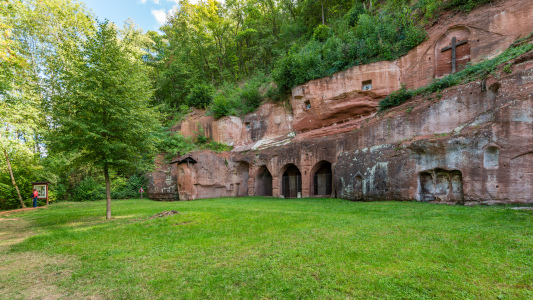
(321, 33)
(464, 5)
(88, 190)
(93, 188)
(201, 96)
(471, 73)
(224, 44)
(382, 36)
(233, 99)
(175, 144)
(222, 106)
(106, 115)
(128, 189)
(201, 139)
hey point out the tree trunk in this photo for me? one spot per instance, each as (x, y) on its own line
(13, 179)
(107, 192)
(323, 22)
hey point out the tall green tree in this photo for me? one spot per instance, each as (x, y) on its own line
(105, 116)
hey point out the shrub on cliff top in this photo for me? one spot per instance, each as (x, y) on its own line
(201, 96)
(373, 36)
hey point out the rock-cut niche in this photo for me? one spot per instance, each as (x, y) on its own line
(491, 157)
(521, 179)
(452, 51)
(441, 185)
(240, 179)
(291, 182)
(263, 182)
(358, 187)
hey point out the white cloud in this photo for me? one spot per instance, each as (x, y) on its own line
(160, 16)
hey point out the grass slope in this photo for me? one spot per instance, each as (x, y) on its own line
(268, 248)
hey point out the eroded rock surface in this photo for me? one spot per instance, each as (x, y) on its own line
(468, 144)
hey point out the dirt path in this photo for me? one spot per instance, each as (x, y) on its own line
(31, 274)
(7, 212)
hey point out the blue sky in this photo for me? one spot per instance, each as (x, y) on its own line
(148, 14)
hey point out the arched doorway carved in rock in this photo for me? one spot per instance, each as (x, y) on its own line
(322, 179)
(291, 182)
(263, 182)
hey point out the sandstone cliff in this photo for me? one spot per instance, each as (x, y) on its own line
(469, 144)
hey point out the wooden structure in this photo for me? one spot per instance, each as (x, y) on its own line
(42, 189)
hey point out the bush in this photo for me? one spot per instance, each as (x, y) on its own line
(386, 35)
(321, 33)
(88, 190)
(201, 96)
(222, 106)
(234, 100)
(128, 189)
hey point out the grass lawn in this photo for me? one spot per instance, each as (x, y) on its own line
(267, 248)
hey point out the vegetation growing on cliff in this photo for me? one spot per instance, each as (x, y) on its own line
(471, 73)
(225, 44)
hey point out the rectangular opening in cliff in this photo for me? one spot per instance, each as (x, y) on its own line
(307, 104)
(291, 182)
(367, 85)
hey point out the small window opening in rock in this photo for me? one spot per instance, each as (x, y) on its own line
(367, 85)
(307, 105)
(247, 125)
(231, 187)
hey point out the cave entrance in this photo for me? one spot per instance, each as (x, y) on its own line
(322, 179)
(263, 182)
(291, 182)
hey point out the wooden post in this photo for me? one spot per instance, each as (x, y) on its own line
(47, 194)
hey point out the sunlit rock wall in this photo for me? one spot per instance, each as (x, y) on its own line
(468, 144)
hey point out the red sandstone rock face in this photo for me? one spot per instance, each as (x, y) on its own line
(214, 175)
(340, 99)
(472, 144)
(345, 96)
(162, 182)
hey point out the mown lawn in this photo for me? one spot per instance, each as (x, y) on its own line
(267, 248)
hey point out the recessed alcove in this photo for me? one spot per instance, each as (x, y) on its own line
(491, 157)
(367, 85)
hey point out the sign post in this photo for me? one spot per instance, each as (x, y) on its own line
(42, 189)
(141, 191)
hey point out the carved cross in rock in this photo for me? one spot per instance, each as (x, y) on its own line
(453, 47)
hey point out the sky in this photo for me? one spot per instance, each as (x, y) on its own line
(147, 14)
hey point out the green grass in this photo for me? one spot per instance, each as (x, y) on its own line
(272, 249)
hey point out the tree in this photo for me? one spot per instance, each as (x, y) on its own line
(105, 116)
